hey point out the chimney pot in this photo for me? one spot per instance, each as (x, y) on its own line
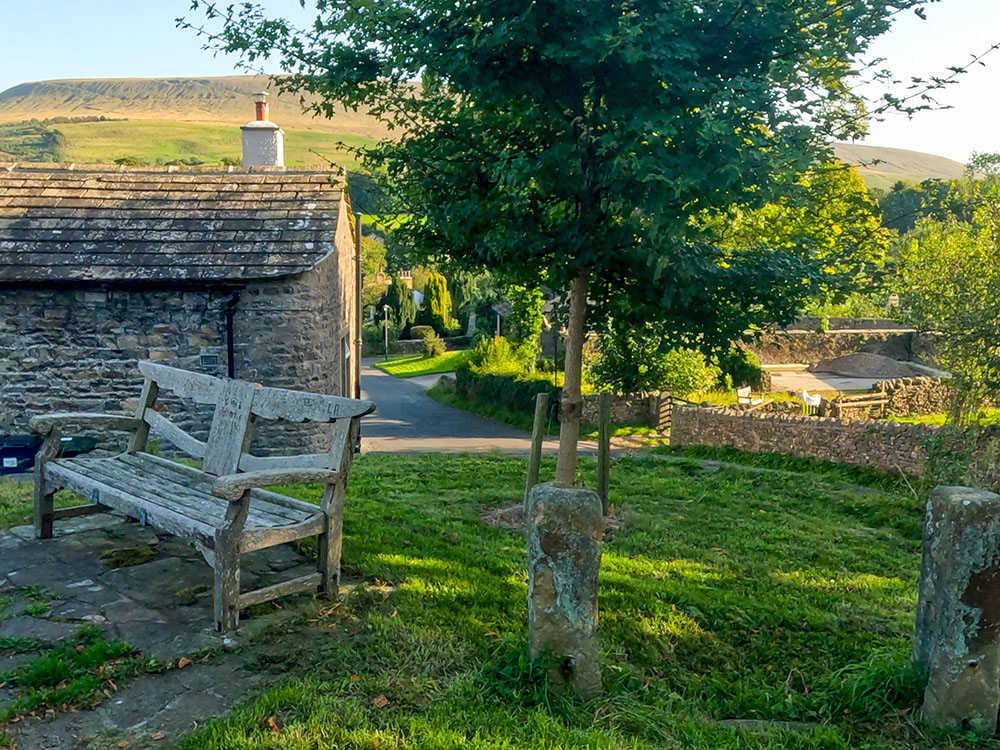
(263, 141)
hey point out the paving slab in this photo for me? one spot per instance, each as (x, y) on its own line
(162, 607)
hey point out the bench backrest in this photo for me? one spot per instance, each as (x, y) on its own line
(743, 393)
(236, 405)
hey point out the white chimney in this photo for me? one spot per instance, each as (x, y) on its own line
(263, 141)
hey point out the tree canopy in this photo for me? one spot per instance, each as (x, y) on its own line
(584, 144)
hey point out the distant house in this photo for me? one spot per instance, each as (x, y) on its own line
(240, 271)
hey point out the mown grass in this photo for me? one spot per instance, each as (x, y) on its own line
(985, 418)
(739, 609)
(725, 596)
(414, 365)
(155, 142)
(15, 501)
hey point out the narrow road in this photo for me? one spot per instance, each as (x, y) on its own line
(408, 420)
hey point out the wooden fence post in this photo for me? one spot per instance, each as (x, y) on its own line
(604, 450)
(537, 437)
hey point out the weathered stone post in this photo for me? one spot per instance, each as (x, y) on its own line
(565, 526)
(957, 634)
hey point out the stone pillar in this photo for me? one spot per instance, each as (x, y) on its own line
(957, 634)
(565, 526)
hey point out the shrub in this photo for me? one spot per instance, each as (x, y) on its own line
(437, 303)
(511, 391)
(433, 345)
(742, 368)
(399, 298)
(497, 356)
(685, 371)
(421, 332)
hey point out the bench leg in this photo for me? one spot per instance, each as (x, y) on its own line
(43, 508)
(227, 566)
(331, 541)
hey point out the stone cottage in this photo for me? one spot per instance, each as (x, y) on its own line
(240, 271)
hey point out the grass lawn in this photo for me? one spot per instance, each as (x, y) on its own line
(410, 366)
(986, 418)
(738, 610)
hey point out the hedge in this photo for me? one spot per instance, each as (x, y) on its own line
(508, 391)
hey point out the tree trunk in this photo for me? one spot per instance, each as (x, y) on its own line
(571, 406)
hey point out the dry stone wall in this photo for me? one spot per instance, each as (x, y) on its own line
(886, 446)
(914, 396)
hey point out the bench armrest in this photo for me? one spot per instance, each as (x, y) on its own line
(44, 424)
(232, 486)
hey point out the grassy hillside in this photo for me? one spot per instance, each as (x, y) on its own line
(882, 167)
(198, 118)
(162, 142)
(227, 100)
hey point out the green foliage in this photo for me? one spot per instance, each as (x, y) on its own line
(828, 217)
(742, 368)
(437, 303)
(580, 140)
(636, 360)
(433, 346)
(422, 332)
(498, 356)
(949, 451)
(524, 323)
(508, 389)
(942, 200)
(399, 298)
(372, 261)
(951, 286)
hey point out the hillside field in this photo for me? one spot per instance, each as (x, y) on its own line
(161, 142)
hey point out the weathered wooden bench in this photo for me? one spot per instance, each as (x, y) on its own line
(221, 508)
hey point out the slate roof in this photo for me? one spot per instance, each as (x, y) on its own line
(193, 224)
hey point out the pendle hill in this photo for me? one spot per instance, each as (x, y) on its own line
(196, 120)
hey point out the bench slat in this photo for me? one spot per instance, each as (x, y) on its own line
(163, 427)
(249, 462)
(157, 490)
(274, 498)
(285, 588)
(200, 487)
(197, 386)
(162, 518)
(302, 406)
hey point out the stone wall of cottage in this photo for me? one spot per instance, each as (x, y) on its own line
(75, 349)
(66, 349)
(886, 446)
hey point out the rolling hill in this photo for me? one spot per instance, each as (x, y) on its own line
(227, 100)
(168, 119)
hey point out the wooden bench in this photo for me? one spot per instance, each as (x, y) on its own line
(220, 508)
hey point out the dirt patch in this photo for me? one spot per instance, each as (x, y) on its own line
(865, 365)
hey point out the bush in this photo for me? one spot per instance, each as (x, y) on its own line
(437, 303)
(512, 392)
(374, 337)
(422, 332)
(433, 345)
(742, 368)
(685, 371)
(497, 356)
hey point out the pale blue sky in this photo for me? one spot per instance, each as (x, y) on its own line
(136, 38)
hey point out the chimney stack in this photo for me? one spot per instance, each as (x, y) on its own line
(263, 141)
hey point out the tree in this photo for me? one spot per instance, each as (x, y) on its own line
(830, 219)
(950, 275)
(576, 144)
(372, 261)
(399, 298)
(437, 303)
(525, 321)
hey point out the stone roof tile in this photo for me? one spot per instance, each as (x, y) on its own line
(111, 223)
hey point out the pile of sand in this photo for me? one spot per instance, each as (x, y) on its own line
(865, 365)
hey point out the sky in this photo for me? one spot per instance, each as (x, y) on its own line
(46, 39)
